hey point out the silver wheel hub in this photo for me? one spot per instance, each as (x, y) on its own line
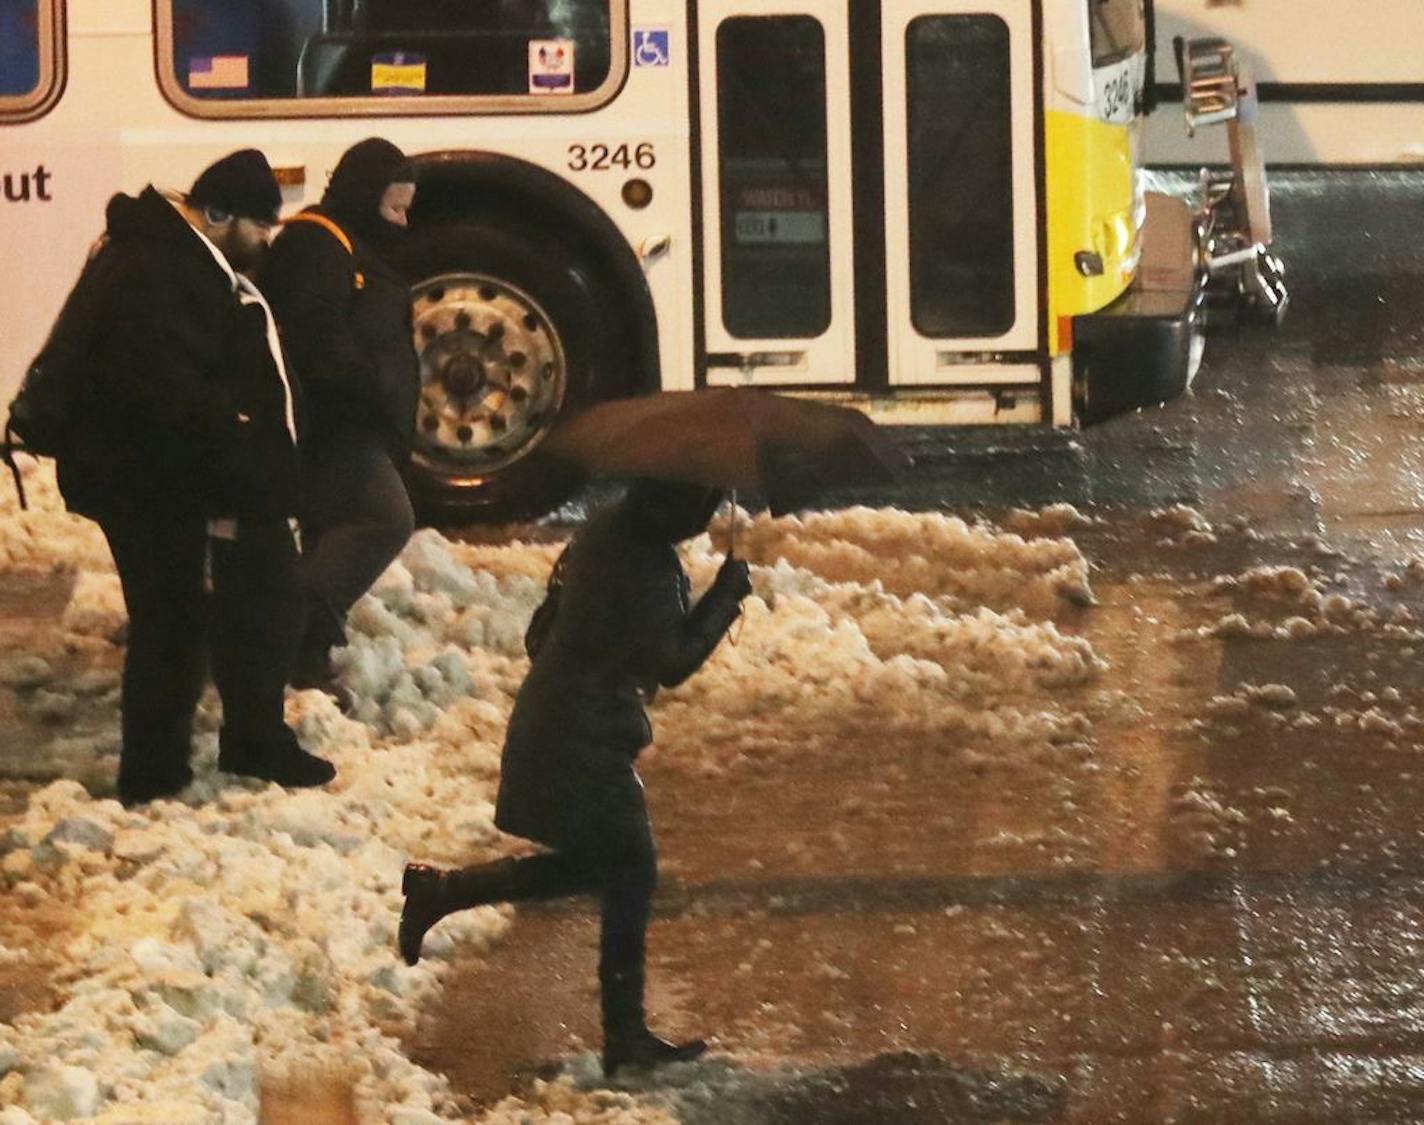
(492, 372)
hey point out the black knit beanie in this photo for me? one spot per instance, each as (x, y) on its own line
(241, 184)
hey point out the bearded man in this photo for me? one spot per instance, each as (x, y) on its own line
(184, 452)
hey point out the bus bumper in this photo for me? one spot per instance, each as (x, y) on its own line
(1145, 347)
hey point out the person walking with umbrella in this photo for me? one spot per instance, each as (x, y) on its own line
(615, 626)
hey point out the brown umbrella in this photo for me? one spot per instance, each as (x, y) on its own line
(788, 449)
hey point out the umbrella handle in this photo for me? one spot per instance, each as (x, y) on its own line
(731, 551)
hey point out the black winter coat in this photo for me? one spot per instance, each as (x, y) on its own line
(183, 411)
(346, 323)
(616, 627)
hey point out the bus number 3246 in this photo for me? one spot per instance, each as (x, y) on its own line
(605, 158)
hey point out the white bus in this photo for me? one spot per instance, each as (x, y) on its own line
(929, 208)
(1340, 83)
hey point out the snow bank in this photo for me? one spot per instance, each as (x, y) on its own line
(1286, 603)
(46, 537)
(245, 932)
(925, 553)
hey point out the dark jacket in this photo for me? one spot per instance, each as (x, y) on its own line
(616, 628)
(346, 323)
(184, 411)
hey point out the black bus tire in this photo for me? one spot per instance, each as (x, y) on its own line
(514, 329)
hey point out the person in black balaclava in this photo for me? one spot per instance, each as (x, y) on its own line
(344, 313)
(615, 626)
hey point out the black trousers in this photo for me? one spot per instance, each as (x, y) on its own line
(356, 519)
(246, 622)
(624, 875)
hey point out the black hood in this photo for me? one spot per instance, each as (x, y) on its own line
(147, 216)
(353, 198)
(669, 511)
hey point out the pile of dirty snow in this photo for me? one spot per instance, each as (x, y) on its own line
(244, 932)
(1286, 603)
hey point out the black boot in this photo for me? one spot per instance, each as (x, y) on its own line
(431, 893)
(137, 787)
(278, 758)
(627, 1042)
(323, 631)
(642, 1050)
(312, 667)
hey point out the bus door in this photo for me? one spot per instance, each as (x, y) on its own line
(777, 247)
(870, 194)
(962, 254)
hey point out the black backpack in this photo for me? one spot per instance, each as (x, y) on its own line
(39, 421)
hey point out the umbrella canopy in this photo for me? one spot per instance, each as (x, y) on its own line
(788, 449)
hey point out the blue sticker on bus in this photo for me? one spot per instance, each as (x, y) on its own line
(651, 47)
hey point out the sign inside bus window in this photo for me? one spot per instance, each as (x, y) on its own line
(606, 158)
(794, 214)
(551, 66)
(398, 72)
(801, 228)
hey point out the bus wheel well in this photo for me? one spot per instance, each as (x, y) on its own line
(498, 190)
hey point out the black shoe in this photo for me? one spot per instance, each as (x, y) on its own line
(312, 669)
(431, 893)
(642, 1050)
(280, 759)
(151, 787)
(311, 665)
(421, 886)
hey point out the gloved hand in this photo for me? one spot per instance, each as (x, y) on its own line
(733, 578)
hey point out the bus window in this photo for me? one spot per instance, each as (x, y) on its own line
(1118, 29)
(961, 190)
(28, 52)
(218, 52)
(771, 132)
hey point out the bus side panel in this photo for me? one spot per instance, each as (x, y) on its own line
(113, 131)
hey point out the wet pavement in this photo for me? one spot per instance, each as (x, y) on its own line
(1208, 909)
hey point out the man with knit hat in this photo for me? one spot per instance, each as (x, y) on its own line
(345, 316)
(185, 455)
(235, 203)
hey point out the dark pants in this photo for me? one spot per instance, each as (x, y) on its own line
(624, 876)
(247, 623)
(356, 520)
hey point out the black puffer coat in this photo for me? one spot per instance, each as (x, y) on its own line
(183, 411)
(345, 317)
(617, 626)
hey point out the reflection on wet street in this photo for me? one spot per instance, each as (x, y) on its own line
(1200, 898)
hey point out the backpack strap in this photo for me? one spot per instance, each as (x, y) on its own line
(335, 231)
(7, 454)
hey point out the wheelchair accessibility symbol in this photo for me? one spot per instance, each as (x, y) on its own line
(650, 47)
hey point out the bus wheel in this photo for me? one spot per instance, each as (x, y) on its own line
(511, 330)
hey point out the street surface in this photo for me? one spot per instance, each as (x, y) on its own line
(1207, 910)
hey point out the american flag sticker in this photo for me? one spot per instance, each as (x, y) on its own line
(219, 72)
